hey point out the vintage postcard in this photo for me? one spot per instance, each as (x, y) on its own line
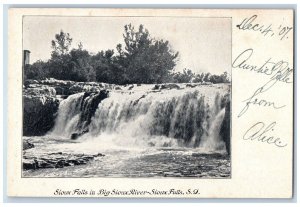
(156, 103)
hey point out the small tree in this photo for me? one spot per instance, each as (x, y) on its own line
(225, 78)
(207, 77)
(185, 77)
(61, 44)
(199, 78)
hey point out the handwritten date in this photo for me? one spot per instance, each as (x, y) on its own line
(250, 24)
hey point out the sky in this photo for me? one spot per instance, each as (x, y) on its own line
(204, 44)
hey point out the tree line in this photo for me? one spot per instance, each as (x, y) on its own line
(142, 59)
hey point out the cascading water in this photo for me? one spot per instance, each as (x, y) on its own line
(189, 117)
(68, 116)
(212, 140)
(75, 112)
(142, 131)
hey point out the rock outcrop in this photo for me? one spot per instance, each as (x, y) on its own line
(27, 145)
(89, 106)
(65, 88)
(56, 160)
(166, 86)
(40, 107)
(41, 101)
(225, 127)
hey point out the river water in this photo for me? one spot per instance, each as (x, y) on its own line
(129, 162)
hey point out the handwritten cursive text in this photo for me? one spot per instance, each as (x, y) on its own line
(261, 133)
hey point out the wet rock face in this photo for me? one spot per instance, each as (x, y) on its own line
(57, 160)
(85, 107)
(75, 136)
(38, 114)
(27, 145)
(225, 128)
(29, 165)
(89, 107)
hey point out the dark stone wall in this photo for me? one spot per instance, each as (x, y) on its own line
(39, 114)
(226, 127)
(89, 106)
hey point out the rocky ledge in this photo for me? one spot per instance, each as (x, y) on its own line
(38, 114)
(27, 145)
(56, 160)
(41, 100)
(64, 88)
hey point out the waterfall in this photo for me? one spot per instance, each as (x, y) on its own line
(187, 117)
(212, 140)
(68, 116)
(75, 113)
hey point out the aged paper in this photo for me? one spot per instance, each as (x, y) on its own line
(156, 103)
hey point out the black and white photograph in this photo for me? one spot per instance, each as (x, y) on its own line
(126, 97)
